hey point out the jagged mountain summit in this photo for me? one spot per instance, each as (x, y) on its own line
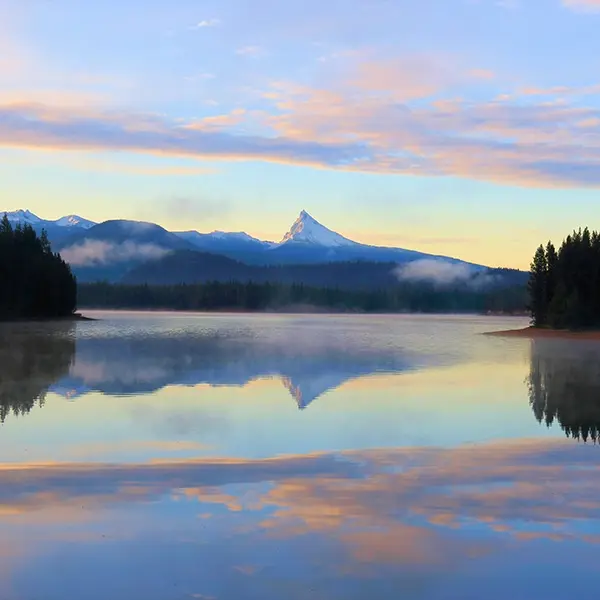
(22, 216)
(307, 230)
(26, 216)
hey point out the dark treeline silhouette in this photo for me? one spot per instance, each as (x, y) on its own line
(272, 296)
(35, 282)
(564, 286)
(32, 358)
(564, 387)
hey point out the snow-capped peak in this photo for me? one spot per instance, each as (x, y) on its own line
(74, 221)
(309, 231)
(233, 235)
(26, 216)
(22, 216)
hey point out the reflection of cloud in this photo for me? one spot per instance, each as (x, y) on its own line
(351, 525)
(544, 485)
(493, 484)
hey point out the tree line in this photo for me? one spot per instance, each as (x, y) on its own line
(251, 296)
(564, 285)
(35, 282)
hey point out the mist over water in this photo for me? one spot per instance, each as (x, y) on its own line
(296, 456)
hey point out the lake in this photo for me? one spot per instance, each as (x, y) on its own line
(174, 456)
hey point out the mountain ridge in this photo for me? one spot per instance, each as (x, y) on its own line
(121, 250)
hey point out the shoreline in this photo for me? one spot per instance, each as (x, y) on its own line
(68, 319)
(558, 334)
(294, 309)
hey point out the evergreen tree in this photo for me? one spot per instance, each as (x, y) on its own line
(564, 286)
(538, 288)
(34, 281)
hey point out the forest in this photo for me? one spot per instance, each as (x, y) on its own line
(36, 282)
(564, 285)
(272, 296)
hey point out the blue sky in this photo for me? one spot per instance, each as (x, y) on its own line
(463, 127)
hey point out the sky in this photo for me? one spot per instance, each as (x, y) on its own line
(469, 128)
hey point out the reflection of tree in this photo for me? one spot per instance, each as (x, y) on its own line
(32, 358)
(564, 386)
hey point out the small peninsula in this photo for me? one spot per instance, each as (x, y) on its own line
(564, 290)
(36, 282)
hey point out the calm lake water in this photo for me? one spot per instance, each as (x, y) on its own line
(169, 457)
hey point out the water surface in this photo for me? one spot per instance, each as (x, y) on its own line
(170, 456)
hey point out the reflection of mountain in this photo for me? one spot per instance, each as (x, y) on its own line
(32, 358)
(564, 386)
(308, 367)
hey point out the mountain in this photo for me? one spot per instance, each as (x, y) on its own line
(57, 230)
(74, 221)
(234, 245)
(121, 250)
(310, 242)
(307, 230)
(109, 250)
(26, 216)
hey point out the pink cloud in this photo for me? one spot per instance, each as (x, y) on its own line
(584, 5)
(390, 116)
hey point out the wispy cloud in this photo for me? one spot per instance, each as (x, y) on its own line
(100, 252)
(43, 127)
(207, 23)
(251, 51)
(583, 5)
(389, 116)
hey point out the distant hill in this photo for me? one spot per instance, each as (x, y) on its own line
(192, 267)
(109, 250)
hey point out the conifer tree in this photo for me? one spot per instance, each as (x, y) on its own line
(34, 281)
(538, 288)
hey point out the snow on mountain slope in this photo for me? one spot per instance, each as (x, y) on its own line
(74, 221)
(307, 230)
(238, 235)
(22, 216)
(26, 216)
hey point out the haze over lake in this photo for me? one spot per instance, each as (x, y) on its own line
(173, 456)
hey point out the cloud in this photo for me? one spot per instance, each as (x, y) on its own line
(207, 23)
(100, 252)
(46, 127)
(370, 115)
(508, 141)
(439, 272)
(442, 272)
(253, 51)
(583, 5)
(188, 207)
